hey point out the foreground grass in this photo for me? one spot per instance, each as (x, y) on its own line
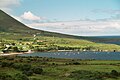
(59, 69)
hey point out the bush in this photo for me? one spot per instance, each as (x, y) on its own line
(25, 67)
(10, 58)
(53, 63)
(37, 70)
(6, 64)
(22, 67)
(76, 63)
(21, 77)
(87, 75)
(28, 73)
(34, 79)
(4, 76)
(114, 73)
(16, 66)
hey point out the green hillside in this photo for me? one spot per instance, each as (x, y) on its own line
(16, 37)
(10, 25)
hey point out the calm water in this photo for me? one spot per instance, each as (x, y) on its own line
(78, 55)
(110, 39)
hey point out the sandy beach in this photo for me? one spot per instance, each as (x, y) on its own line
(8, 54)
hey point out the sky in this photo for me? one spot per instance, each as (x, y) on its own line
(75, 17)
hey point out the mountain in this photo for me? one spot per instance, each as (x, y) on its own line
(10, 25)
(20, 35)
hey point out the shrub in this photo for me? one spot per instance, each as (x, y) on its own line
(53, 63)
(22, 67)
(16, 66)
(87, 75)
(34, 79)
(6, 64)
(76, 63)
(114, 73)
(37, 70)
(21, 77)
(28, 73)
(4, 76)
(26, 67)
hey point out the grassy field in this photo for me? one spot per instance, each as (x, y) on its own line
(19, 68)
(12, 42)
(17, 37)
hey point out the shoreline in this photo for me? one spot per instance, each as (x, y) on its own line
(9, 54)
(19, 53)
(14, 53)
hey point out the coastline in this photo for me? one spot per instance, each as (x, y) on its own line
(18, 53)
(9, 54)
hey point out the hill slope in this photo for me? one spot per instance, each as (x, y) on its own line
(10, 25)
(19, 36)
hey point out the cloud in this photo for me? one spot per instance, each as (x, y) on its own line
(30, 16)
(87, 28)
(6, 5)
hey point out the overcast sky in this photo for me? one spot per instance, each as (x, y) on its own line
(76, 17)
